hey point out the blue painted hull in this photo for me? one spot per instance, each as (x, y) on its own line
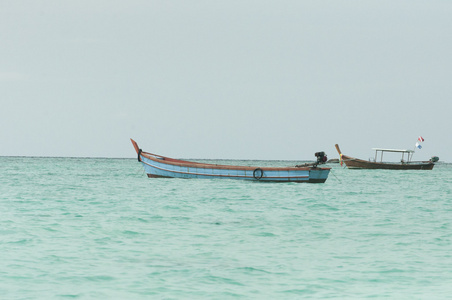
(164, 167)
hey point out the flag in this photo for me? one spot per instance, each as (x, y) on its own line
(420, 139)
(418, 145)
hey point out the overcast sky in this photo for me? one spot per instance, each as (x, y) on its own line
(225, 79)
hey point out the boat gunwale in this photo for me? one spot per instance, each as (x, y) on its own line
(189, 164)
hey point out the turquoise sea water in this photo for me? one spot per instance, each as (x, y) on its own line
(100, 229)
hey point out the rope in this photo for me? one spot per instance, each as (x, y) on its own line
(331, 171)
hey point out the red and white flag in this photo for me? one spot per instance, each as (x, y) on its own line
(420, 139)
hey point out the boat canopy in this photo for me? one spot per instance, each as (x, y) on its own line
(392, 150)
(382, 150)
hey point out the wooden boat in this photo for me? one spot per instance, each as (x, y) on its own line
(164, 167)
(355, 163)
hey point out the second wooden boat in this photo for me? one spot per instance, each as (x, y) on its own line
(404, 164)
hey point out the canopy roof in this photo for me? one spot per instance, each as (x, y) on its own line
(393, 150)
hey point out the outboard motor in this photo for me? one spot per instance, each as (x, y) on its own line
(321, 157)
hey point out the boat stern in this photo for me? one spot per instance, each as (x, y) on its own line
(318, 175)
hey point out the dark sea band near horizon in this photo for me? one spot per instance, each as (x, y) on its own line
(93, 228)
